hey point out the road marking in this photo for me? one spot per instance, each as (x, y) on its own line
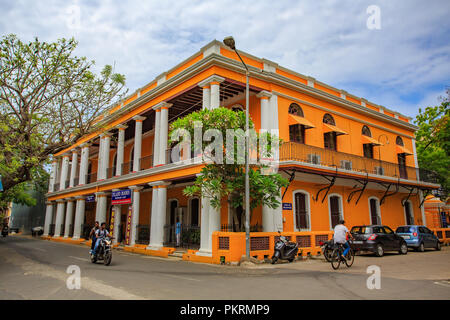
(180, 277)
(443, 283)
(39, 249)
(82, 259)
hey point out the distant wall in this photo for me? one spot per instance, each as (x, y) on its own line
(25, 218)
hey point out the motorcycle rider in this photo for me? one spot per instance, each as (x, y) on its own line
(93, 236)
(340, 236)
(100, 234)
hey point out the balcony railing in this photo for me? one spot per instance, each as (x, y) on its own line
(56, 187)
(110, 172)
(188, 236)
(91, 177)
(127, 167)
(345, 161)
(146, 162)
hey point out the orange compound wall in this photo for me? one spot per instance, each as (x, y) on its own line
(392, 211)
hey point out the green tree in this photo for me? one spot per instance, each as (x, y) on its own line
(225, 180)
(49, 98)
(433, 141)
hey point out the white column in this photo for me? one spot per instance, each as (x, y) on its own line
(106, 148)
(422, 210)
(48, 218)
(69, 217)
(137, 143)
(100, 212)
(211, 85)
(214, 224)
(64, 172)
(158, 215)
(267, 219)
(205, 240)
(265, 111)
(100, 159)
(164, 129)
(117, 217)
(157, 133)
(135, 213)
(84, 164)
(53, 175)
(59, 217)
(73, 168)
(79, 217)
(120, 149)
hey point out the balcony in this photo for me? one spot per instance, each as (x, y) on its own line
(292, 151)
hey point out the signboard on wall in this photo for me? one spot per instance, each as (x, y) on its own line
(121, 197)
(128, 231)
(287, 206)
(90, 198)
(111, 227)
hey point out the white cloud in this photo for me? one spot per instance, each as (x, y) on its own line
(399, 66)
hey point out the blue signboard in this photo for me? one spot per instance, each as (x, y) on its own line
(121, 197)
(90, 198)
(287, 206)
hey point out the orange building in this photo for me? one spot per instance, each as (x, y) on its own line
(345, 157)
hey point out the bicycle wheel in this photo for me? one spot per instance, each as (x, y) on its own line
(335, 259)
(350, 258)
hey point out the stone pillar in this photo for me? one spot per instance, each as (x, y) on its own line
(73, 168)
(48, 218)
(69, 216)
(120, 149)
(137, 143)
(265, 110)
(158, 215)
(105, 158)
(117, 217)
(205, 239)
(100, 211)
(100, 159)
(64, 172)
(157, 133)
(163, 130)
(268, 219)
(59, 217)
(53, 175)
(84, 163)
(206, 104)
(214, 83)
(79, 217)
(135, 214)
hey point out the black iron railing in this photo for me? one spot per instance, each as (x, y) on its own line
(146, 162)
(349, 162)
(143, 234)
(236, 228)
(127, 167)
(51, 230)
(186, 236)
(91, 177)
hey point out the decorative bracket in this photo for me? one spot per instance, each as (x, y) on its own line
(291, 178)
(409, 195)
(361, 191)
(387, 194)
(332, 181)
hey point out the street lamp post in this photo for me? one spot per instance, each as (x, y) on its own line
(229, 41)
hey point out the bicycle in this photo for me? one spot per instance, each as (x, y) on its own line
(336, 256)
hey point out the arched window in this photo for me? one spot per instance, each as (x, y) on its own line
(399, 141)
(296, 131)
(401, 158)
(335, 207)
(328, 119)
(296, 110)
(366, 131)
(367, 147)
(302, 210)
(329, 138)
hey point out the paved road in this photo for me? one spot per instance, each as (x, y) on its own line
(36, 269)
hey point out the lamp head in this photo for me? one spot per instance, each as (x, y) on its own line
(229, 42)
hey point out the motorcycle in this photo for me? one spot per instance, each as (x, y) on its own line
(5, 231)
(327, 249)
(104, 252)
(285, 250)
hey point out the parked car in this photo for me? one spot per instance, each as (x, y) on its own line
(377, 239)
(37, 231)
(419, 237)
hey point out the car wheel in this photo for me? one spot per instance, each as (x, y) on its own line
(379, 252)
(403, 248)
(421, 247)
(438, 246)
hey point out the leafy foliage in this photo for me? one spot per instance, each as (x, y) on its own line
(48, 99)
(433, 141)
(227, 181)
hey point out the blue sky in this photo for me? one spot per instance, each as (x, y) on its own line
(402, 66)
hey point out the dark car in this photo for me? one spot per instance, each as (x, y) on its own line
(377, 239)
(419, 237)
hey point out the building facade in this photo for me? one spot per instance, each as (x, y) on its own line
(345, 157)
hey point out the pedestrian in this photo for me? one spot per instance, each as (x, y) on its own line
(93, 236)
(178, 231)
